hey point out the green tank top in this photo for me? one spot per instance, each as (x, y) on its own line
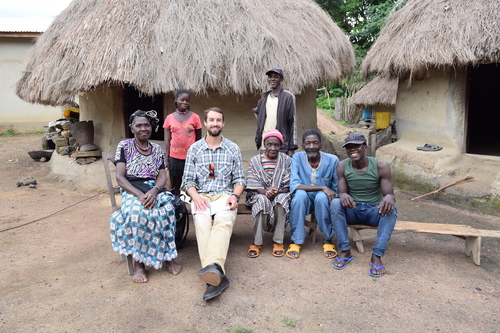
(364, 187)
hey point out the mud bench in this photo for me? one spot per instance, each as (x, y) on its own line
(471, 235)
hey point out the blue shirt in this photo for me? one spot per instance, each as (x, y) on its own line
(326, 172)
(228, 168)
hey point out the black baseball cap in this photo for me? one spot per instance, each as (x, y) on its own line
(275, 70)
(354, 138)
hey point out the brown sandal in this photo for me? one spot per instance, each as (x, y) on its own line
(278, 250)
(254, 251)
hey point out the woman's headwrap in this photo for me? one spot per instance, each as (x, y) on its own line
(150, 115)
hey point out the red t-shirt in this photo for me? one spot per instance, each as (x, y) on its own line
(183, 135)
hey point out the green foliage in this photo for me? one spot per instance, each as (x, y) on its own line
(39, 132)
(290, 322)
(9, 132)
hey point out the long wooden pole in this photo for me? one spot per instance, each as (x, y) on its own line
(442, 188)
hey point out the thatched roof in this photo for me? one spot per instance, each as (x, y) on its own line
(436, 33)
(382, 90)
(163, 45)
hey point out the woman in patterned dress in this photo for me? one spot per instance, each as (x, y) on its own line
(144, 227)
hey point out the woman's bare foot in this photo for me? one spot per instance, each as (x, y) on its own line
(173, 267)
(140, 275)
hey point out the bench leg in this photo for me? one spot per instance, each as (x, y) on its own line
(130, 265)
(473, 246)
(313, 225)
(356, 237)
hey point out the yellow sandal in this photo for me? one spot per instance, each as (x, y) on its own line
(293, 248)
(329, 248)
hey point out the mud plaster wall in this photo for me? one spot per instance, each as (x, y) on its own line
(432, 109)
(104, 107)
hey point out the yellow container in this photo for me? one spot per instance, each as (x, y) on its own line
(382, 120)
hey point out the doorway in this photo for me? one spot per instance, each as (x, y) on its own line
(484, 110)
(135, 100)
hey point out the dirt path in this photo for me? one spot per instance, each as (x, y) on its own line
(60, 275)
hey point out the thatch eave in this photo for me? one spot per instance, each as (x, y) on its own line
(197, 45)
(427, 34)
(382, 90)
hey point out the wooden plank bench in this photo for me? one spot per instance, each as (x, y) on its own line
(471, 235)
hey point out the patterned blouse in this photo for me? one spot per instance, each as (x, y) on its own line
(137, 164)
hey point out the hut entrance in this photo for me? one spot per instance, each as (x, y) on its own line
(135, 100)
(484, 104)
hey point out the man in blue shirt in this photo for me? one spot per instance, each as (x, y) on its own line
(314, 185)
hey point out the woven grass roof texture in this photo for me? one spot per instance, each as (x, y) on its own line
(382, 90)
(436, 33)
(160, 46)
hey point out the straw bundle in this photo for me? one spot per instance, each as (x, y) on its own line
(436, 33)
(382, 90)
(162, 45)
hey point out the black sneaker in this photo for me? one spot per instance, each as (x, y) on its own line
(211, 274)
(214, 291)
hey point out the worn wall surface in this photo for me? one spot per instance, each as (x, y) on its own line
(433, 111)
(104, 107)
(21, 116)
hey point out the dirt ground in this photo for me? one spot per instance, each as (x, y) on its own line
(59, 274)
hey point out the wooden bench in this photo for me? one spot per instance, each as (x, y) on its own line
(471, 235)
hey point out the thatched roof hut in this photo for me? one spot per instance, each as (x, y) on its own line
(446, 54)
(158, 46)
(382, 90)
(427, 34)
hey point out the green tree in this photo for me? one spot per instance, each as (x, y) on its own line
(361, 20)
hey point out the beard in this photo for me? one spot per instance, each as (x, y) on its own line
(214, 133)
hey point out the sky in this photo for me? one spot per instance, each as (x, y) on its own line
(32, 8)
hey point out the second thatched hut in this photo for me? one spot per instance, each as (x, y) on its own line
(446, 54)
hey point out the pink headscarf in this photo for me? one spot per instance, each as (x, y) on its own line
(274, 133)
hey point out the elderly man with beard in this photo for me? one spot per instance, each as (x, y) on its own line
(314, 185)
(213, 176)
(366, 196)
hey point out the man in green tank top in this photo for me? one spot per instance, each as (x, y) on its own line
(366, 196)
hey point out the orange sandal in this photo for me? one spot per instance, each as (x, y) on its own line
(254, 251)
(277, 248)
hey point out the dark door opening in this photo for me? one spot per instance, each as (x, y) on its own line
(484, 110)
(134, 101)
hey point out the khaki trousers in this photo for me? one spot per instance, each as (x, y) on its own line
(213, 235)
(260, 225)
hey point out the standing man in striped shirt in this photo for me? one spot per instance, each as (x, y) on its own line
(213, 173)
(276, 110)
(268, 192)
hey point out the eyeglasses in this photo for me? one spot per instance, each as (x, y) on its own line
(211, 168)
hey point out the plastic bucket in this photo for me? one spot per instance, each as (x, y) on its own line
(382, 120)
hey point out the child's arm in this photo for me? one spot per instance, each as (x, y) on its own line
(168, 137)
(198, 134)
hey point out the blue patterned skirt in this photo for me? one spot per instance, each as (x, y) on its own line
(146, 234)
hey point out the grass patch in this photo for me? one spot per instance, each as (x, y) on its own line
(290, 322)
(9, 132)
(240, 329)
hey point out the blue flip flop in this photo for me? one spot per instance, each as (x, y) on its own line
(347, 260)
(377, 268)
